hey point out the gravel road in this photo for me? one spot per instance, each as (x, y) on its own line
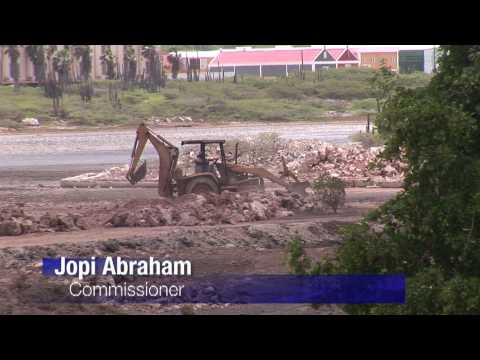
(94, 148)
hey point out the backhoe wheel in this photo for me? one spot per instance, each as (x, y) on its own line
(201, 186)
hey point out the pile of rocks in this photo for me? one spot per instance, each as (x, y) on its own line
(211, 209)
(117, 173)
(353, 163)
(14, 221)
(113, 177)
(310, 159)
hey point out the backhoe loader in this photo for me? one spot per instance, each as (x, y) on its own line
(211, 175)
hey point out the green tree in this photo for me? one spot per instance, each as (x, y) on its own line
(431, 231)
(383, 84)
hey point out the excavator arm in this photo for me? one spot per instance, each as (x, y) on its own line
(296, 187)
(168, 156)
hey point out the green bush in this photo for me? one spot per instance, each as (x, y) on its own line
(284, 91)
(428, 291)
(297, 261)
(170, 95)
(430, 231)
(331, 191)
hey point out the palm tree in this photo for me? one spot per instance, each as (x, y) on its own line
(175, 61)
(130, 63)
(61, 65)
(36, 54)
(155, 77)
(109, 60)
(83, 54)
(13, 53)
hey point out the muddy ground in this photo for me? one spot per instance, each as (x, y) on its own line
(244, 248)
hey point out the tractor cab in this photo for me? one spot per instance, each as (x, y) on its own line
(211, 175)
(216, 166)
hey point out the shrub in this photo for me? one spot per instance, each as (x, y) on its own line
(111, 246)
(217, 106)
(10, 124)
(132, 98)
(331, 191)
(364, 105)
(297, 261)
(171, 95)
(368, 140)
(284, 91)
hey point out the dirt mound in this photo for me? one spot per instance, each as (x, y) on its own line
(14, 221)
(211, 209)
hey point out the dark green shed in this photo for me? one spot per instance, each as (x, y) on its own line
(411, 61)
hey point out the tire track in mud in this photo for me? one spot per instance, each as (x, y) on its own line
(105, 234)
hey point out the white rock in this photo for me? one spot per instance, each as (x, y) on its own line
(258, 209)
(31, 122)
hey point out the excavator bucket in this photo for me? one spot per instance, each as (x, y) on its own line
(139, 174)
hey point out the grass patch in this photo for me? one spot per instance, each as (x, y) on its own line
(250, 99)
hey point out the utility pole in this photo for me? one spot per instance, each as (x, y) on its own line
(301, 72)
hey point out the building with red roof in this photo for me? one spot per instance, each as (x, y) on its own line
(337, 58)
(264, 62)
(281, 61)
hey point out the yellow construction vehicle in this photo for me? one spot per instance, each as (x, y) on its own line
(211, 175)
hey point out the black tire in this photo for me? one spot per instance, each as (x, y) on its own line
(201, 185)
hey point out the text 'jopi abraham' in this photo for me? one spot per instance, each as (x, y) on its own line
(118, 266)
